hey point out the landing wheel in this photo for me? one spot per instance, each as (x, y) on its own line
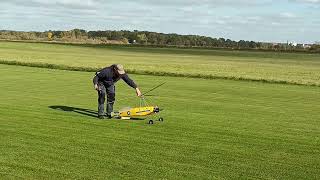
(161, 119)
(150, 122)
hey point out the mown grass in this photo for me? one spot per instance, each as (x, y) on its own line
(294, 68)
(140, 72)
(213, 129)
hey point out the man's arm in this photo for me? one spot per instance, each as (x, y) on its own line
(96, 80)
(131, 83)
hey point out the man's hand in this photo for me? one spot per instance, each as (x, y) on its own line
(138, 92)
(96, 87)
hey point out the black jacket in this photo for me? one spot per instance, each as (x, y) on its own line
(108, 77)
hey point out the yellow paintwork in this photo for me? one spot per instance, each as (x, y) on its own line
(137, 112)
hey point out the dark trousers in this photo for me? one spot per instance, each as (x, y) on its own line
(104, 91)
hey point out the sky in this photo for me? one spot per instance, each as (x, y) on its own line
(257, 20)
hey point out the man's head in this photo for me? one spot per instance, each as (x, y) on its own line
(119, 68)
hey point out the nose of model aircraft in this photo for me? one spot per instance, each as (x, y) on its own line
(156, 109)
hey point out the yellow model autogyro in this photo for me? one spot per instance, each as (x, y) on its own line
(139, 112)
(142, 111)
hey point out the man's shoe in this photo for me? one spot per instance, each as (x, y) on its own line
(108, 116)
(100, 116)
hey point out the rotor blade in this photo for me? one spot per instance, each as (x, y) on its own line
(149, 95)
(153, 89)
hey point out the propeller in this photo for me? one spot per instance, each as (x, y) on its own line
(153, 89)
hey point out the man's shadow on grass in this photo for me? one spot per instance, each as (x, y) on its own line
(86, 112)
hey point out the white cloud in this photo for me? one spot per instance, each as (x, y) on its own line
(288, 15)
(241, 19)
(306, 1)
(72, 4)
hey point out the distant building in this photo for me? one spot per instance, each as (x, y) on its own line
(132, 41)
(306, 46)
(292, 44)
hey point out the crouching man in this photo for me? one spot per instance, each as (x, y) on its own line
(104, 81)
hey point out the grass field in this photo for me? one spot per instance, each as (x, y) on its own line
(297, 68)
(213, 129)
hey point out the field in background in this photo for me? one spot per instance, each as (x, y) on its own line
(213, 129)
(298, 68)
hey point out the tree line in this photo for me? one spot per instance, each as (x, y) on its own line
(150, 38)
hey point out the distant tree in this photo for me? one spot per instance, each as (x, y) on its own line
(142, 38)
(315, 47)
(152, 38)
(243, 44)
(252, 45)
(125, 41)
(50, 35)
(229, 43)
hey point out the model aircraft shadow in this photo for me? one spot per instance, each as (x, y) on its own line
(82, 111)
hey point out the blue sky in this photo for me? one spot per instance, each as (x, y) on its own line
(258, 20)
